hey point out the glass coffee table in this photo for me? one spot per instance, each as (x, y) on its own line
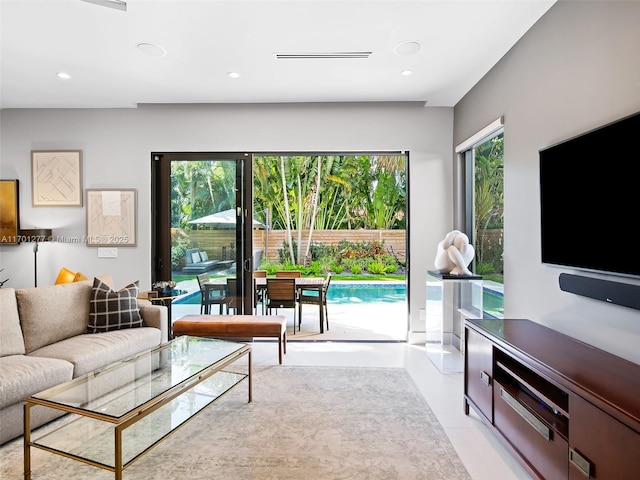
(121, 411)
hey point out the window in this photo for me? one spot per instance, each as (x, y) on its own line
(482, 214)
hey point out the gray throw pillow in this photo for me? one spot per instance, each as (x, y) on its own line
(110, 310)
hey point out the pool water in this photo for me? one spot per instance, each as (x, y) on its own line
(492, 301)
(366, 293)
(350, 293)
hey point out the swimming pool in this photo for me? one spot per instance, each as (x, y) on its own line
(343, 293)
(391, 292)
(366, 292)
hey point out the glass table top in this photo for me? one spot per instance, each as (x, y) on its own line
(122, 388)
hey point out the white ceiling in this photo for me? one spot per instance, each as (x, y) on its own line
(204, 40)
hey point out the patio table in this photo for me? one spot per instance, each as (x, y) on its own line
(303, 283)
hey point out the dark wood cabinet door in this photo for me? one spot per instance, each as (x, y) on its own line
(600, 445)
(479, 372)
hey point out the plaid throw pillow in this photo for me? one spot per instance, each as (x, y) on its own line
(109, 310)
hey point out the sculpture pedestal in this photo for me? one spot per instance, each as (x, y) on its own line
(450, 300)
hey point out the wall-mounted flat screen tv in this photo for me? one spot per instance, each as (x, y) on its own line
(590, 200)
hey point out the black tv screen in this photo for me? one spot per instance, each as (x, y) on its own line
(590, 199)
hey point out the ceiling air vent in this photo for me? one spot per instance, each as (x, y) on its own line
(327, 55)
(117, 4)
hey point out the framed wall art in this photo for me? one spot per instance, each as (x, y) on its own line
(56, 178)
(9, 212)
(111, 217)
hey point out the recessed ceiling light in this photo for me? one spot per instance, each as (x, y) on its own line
(406, 73)
(234, 74)
(151, 49)
(407, 48)
(63, 75)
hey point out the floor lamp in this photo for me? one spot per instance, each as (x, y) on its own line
(35, 235)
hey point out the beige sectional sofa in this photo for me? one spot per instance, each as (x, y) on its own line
(43, 342)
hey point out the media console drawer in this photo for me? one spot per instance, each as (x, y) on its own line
(545, 450)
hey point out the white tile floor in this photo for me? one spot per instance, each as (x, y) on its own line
(482, 454)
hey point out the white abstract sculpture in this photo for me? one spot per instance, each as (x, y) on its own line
(454, 254)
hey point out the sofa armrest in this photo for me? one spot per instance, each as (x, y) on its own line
(154, 316)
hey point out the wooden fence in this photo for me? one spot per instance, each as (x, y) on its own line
(219, 243)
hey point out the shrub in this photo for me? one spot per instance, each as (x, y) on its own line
(485, 268)
(337, 269)
(269, 266)
(315, 269)
(179, 246)
(316, 251)
(348, 249)
(376, 268)
(390, 268)
(355, 269)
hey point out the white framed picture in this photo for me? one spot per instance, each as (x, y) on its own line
(111, 217)
(56, 178)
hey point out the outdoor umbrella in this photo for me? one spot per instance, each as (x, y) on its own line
(224, 219)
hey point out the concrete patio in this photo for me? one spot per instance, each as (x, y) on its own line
(367, 321)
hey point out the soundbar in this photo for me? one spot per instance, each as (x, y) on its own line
(615, 293)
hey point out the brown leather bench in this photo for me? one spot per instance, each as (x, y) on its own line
(234, 326)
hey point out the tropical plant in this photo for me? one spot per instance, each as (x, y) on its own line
(489, 198)
(337, 269)
(200, 188)
(376, 268)
(330, 192)
(355, 269)
(179, 245)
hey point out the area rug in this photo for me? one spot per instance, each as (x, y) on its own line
(303, 423)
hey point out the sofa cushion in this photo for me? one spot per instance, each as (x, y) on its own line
(110, 310)
(52, 313)
(23, 375)
(91, 351)
(11, 340)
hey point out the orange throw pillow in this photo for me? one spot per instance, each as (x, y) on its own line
(65, 276)
(79, 277)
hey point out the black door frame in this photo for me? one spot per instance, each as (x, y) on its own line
(161, 216)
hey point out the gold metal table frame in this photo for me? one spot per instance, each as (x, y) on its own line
(122, 411)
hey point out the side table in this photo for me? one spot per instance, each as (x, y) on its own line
(165, 300)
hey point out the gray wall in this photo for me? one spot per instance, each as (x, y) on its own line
(116, 147)
(576, 69)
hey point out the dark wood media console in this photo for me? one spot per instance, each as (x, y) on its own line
(566, 409)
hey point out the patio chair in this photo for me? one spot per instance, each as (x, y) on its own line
(315, 297)
(281, 293)
(210, 293)
(231, 298)
(288, 274)
(258, 293)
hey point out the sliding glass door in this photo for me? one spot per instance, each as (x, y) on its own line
(200, 228)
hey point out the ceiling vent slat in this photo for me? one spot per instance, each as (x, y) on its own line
(321, 55)
(117, 4)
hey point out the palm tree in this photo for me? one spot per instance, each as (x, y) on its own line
(286, 209)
